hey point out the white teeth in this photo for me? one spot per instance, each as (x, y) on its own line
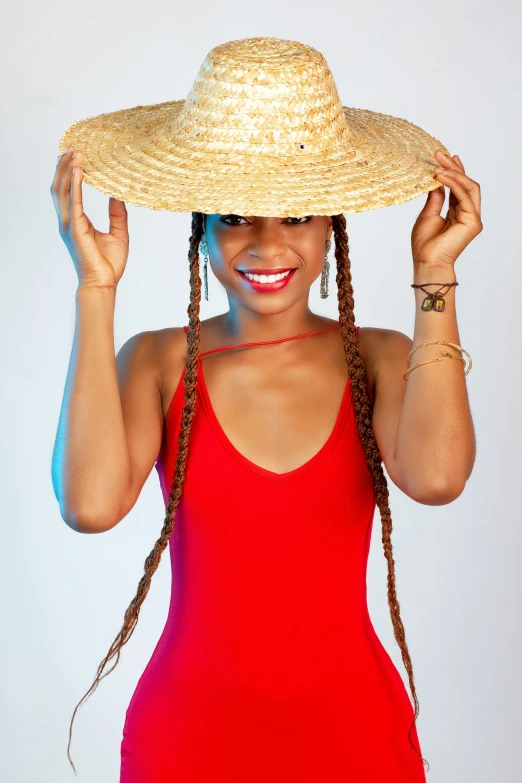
(266, 278)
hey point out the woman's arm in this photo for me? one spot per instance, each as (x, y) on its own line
(423, 426)
(111, 420)
(98, 468)
(91, 466)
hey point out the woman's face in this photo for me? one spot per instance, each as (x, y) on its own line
(266, 245)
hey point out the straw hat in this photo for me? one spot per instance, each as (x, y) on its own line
(261, 132)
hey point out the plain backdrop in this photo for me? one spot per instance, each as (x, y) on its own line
(454, 69)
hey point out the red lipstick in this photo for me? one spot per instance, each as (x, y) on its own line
(277, 270)
(267, 287)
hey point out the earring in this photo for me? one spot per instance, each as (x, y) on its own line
(326, 271)
(203, 247)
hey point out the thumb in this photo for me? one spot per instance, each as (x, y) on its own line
(118, 218)
(434, 203)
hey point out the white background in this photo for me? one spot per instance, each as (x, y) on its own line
(454, 69)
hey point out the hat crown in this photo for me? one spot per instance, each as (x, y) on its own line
(265, 96)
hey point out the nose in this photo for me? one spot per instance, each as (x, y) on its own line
(268, 240)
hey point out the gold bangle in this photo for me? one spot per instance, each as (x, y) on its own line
(434, 342)
(446, 356)
(443, 342)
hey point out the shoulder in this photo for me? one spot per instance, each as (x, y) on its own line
(170, 351)
(382, 348)
(167, 348)
(151, 346)
(379, 342)
(153, 352)
(139, 351)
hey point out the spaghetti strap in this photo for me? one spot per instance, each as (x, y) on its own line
(283, 339)
(270, 342)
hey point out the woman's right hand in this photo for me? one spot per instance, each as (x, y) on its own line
(99, 258)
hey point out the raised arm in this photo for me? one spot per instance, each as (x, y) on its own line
(423, 425)
(97, 469)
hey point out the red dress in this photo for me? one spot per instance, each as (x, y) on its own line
(268, 669)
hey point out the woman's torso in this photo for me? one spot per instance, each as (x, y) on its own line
(268, 666)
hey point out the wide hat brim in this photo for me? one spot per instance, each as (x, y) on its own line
(137, 156)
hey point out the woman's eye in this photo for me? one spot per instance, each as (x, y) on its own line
(236, 218)
(225, 218)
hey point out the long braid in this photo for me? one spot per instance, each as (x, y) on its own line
(363, 416)
(152, 562)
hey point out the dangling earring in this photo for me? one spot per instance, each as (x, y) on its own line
(203, 247)
(326, 271)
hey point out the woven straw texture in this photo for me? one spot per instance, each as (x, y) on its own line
(261, 132)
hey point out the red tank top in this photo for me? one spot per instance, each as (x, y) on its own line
(268, 667)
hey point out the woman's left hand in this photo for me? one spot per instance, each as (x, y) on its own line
(438, 241)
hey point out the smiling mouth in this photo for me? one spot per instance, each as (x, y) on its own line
(267, 275)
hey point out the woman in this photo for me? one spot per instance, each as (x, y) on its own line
(268, 666)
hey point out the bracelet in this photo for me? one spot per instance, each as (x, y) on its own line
(434, 301)
(447, 355)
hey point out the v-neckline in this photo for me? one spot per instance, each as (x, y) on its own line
(259, 469)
